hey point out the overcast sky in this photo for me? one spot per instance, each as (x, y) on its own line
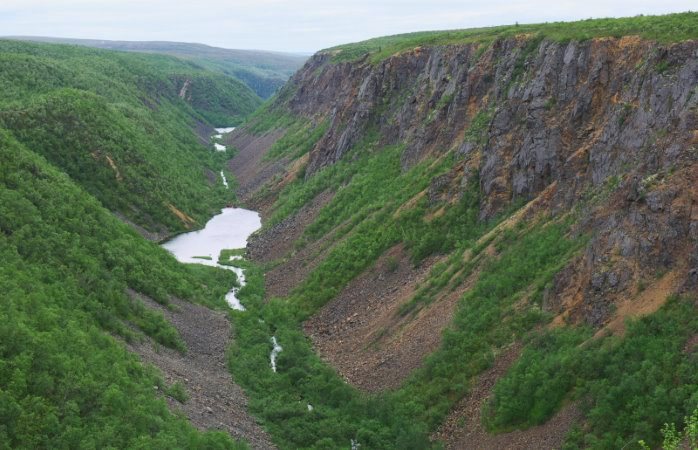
(294, 26)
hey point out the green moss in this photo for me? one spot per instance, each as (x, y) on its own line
(662, 66)
(477, 131)
(178, 392)
(445, 100)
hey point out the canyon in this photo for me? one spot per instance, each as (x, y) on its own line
(600, 135)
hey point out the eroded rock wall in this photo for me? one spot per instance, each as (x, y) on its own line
(608, 128)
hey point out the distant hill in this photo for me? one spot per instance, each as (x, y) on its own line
(124, 126)
(263, 71)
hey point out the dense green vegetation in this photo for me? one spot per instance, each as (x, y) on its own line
(263, 72)
(666, 28)
(299, 138)
(267, 118)
(673, 439)
(220, 100)
(75, 122)
(67, 264)
(629, 387)
(116, 75)
(117, 125)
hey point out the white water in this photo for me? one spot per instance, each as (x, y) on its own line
(225, 180)
(227, 230)
(221, 131)
(231, 297)
(274, 352)
(225, 130)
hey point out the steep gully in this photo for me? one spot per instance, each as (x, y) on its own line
(214, 400)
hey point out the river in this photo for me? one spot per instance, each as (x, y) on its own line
(227, 230)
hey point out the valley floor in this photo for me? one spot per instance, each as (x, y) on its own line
(214, 402)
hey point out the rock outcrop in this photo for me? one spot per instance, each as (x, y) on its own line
(607, 128)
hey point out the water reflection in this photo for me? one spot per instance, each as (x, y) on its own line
(227, 230)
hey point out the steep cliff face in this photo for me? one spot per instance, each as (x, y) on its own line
(606, 117)
(423, 208)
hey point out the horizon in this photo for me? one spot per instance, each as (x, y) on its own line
(62, 39)
(303, 28)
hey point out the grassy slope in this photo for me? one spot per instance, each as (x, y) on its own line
(503, 306)
(263, 72)
(67, 262)
(115, 123)
(667, 28)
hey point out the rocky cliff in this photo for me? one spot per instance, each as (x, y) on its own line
(601, 134)
(612, 118)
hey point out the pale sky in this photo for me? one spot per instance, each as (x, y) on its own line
(293, 26)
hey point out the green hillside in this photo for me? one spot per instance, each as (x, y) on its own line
(83, 132)
(122, 125)
(263, 72)
(66, 265)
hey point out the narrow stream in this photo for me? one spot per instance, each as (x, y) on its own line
(226, 231)
(221, 131)
(276, 349)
